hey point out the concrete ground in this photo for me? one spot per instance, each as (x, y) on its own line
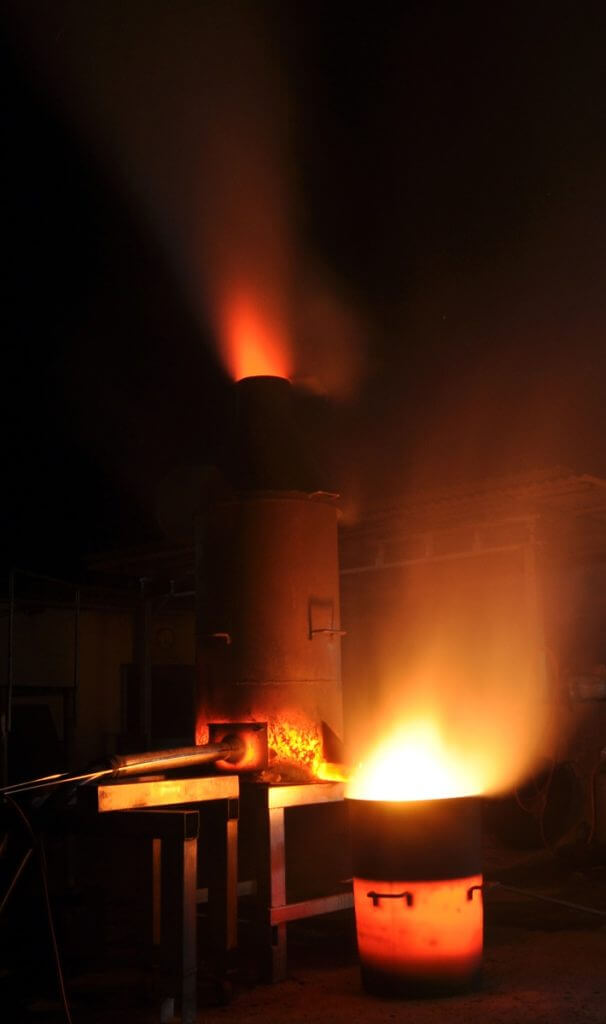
(544, 964)
(531, 974)
(543, 977)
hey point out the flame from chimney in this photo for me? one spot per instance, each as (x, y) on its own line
(254, 342)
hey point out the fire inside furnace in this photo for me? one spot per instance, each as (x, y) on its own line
(295, 747)
(413, 763)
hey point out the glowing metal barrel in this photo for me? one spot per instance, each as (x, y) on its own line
(417, 894)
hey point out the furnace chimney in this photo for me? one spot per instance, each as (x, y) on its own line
(268, 616)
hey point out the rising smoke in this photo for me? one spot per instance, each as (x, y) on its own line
(189, 109)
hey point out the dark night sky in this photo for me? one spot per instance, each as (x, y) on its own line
(449, 164)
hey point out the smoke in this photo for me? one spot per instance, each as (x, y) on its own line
(242, 220)
(190, 109)
(462, 681)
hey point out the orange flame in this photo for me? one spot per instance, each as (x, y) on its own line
(464, 702)
(298, 742)
(254, 342)
(331, 771)
(414, 763)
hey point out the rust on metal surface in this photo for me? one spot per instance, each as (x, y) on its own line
(267, 566)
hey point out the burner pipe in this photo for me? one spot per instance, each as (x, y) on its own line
(230, 749)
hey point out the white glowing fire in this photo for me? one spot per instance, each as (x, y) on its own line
(414, 763)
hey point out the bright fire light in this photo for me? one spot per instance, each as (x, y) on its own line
(413, 763)
(295, 740)
(254, 341)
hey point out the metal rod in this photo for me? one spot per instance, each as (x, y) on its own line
(181, 757)
(232, 747)
(402, 563)
(11, 648)
(76, 655)
(16, 877)
(7, 690)
(548, 899)
(26, 787)
(41, 576)
(32, 782)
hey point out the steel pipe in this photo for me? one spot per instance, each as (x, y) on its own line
(229, 749)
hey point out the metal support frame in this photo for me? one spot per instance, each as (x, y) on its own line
(273, 912)
(221, 821)
(176, 927)
(144, 625)
(174, 833)
(478, 546)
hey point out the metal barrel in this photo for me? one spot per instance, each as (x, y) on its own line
(418, 894)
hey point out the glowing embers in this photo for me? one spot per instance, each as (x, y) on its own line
(254, 342)
(419, 936)
(417, 894)
(294, 740)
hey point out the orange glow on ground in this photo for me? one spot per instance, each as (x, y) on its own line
(413, 763)
(438, 938)
(254, 341)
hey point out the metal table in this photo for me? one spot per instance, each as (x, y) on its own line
(143, 809)
(273, 913)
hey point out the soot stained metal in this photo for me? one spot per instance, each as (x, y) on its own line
(268, 616)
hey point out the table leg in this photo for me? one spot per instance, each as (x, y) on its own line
(178, 915)
(156, 891)
(222, 845)
(277, 868)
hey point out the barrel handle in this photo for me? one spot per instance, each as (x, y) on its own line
(472, 889)
(376, 896)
